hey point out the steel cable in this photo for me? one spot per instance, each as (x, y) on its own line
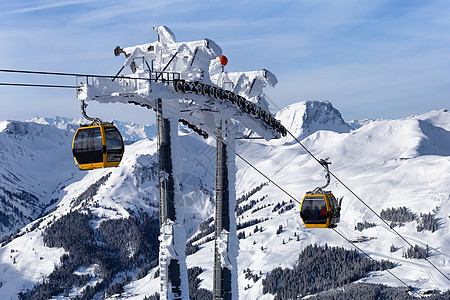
(359, 198)
(293, 198)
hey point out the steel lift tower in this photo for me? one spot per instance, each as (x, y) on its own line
(186, 82)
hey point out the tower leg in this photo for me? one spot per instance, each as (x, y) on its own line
(170, 256)
(225, 265)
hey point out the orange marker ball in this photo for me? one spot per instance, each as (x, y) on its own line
(223, 60)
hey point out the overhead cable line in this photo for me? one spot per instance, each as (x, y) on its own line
(46, 73)
(265, 176)
(295, 138)
(38, 85)
(293, 198)
(391, 227)
(359, 198)
(381, 265)
(68, 74)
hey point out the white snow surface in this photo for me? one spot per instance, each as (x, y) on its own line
(388, 163)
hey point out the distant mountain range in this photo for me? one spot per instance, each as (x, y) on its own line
(93, 234)
(131, 132)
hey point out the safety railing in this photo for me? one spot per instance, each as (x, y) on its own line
(106, 85)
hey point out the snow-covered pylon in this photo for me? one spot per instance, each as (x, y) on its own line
(181, 82)
(226, 242)
(172, 258)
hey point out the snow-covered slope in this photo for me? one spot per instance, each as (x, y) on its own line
(437, 118)
(115, 193)
(388, 163)
(35, 163)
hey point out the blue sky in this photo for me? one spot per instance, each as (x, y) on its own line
(370, 59)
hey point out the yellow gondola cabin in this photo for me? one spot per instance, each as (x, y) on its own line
(320, 210)
(97, 146)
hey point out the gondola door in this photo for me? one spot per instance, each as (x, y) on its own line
(114, 146)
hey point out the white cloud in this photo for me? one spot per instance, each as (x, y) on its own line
(29, 7)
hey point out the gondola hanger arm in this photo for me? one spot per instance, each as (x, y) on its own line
(324, 163)
(83, 112)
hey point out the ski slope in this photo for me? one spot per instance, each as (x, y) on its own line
(388, 163)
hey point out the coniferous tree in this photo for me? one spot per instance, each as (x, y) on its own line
(319, 268)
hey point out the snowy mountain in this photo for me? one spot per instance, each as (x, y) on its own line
(71, 219)
(131, 132)
(35, 163)
(306, 117)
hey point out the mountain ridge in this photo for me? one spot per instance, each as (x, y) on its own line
(131, 132)
(306, 117)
